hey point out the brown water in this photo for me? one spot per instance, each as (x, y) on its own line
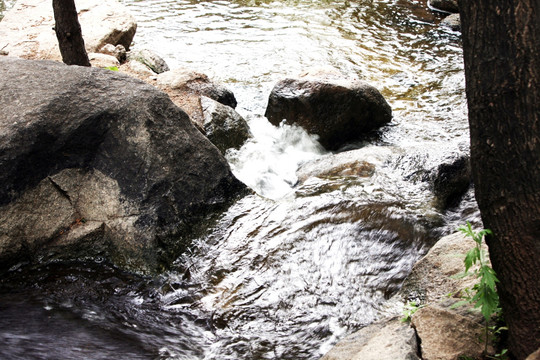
(286, 273)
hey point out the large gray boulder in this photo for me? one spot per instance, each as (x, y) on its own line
(337, 109)
(27, 29)
(95, 163)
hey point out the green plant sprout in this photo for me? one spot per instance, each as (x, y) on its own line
(409, 309)
(483, 294)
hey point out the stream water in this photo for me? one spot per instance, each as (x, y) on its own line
(286, 273)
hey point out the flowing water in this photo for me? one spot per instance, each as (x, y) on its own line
(285, 273)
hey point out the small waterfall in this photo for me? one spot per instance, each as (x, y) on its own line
(269, 161)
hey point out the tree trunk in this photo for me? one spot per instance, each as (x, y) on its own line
(501, 45)
(68, 33)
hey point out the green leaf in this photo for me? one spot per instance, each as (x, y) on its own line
(409, 309)
(470, 258)
(488, 277)
(467, 230)
(484, 293)
(487, 300)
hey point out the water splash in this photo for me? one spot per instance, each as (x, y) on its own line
(269, 161)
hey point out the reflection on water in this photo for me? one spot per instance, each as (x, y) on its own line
(283, 274)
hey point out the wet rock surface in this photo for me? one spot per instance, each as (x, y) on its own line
(98, 160)
(335, 108)
(444, 332)
(451, 179)
(353, 163)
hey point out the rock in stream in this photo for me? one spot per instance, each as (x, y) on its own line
(95, 163)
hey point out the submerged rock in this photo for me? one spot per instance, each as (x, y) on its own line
(355, 163)
(389, 339)
(223, 126)
(337, 109)
(27, 29)
(95, 163)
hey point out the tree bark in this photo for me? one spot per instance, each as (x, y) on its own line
(501, 46)
(68, 33)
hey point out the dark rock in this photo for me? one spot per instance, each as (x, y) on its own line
(102, 164)
(337, 110)
(451, 180)
(223, 126)
(449, 6)
(150, 59)
(452, 21)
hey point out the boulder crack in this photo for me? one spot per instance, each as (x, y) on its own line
(61, 191)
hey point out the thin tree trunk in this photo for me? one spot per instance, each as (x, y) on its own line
(501, 45)
(68, 33)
